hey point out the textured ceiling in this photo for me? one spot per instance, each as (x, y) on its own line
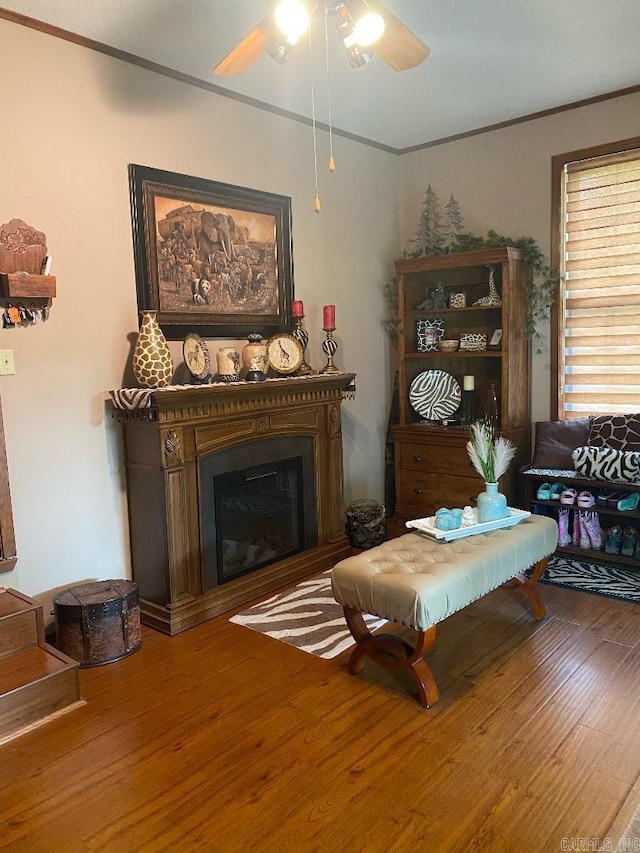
(490, 62)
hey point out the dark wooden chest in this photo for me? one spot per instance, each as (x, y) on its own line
(98, 622)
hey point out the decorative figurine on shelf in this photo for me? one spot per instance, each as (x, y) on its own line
(329, 346)
(440, 298)
(301, 335)
(426, 305)
(493, 297)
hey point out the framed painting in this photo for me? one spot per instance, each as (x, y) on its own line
(210, 258)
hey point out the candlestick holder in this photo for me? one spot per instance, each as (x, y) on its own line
(468, 402)
(302, 336)
(329, 347)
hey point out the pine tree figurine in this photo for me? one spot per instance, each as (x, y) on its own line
(452, 225)
(428, 239)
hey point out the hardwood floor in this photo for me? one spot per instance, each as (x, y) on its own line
(220, 739)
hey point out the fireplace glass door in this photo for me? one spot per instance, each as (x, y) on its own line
(257, 506)
(259, 517)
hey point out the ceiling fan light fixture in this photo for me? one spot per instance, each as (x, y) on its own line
(358, 57)
(292, 19)
(368, 29)
(278, 48)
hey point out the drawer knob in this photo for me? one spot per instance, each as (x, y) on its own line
(417, 458)
(417, 491)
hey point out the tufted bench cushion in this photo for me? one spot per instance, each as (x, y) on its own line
(418, 581)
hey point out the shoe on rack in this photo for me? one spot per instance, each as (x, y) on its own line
(613, 542)
(629, 541)
(585, 542)
(614, 497)
(556, 491)
(544, 492)
(575, 538)
(603, 497)
(629, 502)
(568, 497)
(586, 500)
(594, 531)
(564, 537)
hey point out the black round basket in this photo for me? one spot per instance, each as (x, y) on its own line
(366, 523)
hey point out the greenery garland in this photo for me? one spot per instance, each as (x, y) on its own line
(543, 280)
(433, 237)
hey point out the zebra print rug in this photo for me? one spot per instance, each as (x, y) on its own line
(608, 580)
(309, 618)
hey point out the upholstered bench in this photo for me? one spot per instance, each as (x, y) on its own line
(418, 581)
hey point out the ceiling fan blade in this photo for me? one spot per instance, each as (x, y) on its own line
(399, 47)
(246, 52)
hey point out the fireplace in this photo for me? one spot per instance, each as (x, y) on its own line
(257, 504)
(234, 491)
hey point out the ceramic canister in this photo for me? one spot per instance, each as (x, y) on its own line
(228, 359)
(255, 359)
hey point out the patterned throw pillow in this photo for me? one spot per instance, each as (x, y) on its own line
(620, 432)
(604, 463)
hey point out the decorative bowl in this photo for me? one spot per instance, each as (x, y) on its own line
(448, 345)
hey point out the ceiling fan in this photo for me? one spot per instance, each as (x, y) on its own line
(365, 27)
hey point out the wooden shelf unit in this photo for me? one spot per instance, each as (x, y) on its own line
(432, 464)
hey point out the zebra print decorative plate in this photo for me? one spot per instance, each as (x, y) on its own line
(434, 395)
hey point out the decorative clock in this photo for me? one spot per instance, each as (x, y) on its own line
(285, 353)
(197, 358)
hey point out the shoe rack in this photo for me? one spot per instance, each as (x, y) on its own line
(609, 516)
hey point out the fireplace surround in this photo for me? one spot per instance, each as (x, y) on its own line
(185, 446)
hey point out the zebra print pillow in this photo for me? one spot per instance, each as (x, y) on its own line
(603, 463)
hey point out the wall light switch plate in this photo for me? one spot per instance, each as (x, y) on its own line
(7, 363)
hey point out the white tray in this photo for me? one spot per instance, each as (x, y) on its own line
(428, 525)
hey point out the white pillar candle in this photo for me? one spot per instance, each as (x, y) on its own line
(468, 383)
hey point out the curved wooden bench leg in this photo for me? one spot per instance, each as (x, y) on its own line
(528, 586)
(393, 653)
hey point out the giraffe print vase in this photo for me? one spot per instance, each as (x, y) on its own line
(152, 364)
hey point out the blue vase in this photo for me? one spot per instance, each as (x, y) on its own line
(492, 504)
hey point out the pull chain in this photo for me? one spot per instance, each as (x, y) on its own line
(332, 162)
(316, 204)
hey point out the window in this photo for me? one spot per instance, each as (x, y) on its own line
(597, 210)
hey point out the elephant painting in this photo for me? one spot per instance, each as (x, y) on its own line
(217, 234)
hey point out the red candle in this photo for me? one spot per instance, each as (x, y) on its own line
(297, 308)
(329, 317)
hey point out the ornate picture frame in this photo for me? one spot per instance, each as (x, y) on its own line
(210, 258)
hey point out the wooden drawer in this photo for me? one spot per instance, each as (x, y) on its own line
(422, 494)
(434, 458)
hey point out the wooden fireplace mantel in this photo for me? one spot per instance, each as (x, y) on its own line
(167, 435)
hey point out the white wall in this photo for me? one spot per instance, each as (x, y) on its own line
(77, 119)
(502, 180)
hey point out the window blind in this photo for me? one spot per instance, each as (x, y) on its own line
(600, 286)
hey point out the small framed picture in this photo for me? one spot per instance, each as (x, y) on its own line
(496, 339)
